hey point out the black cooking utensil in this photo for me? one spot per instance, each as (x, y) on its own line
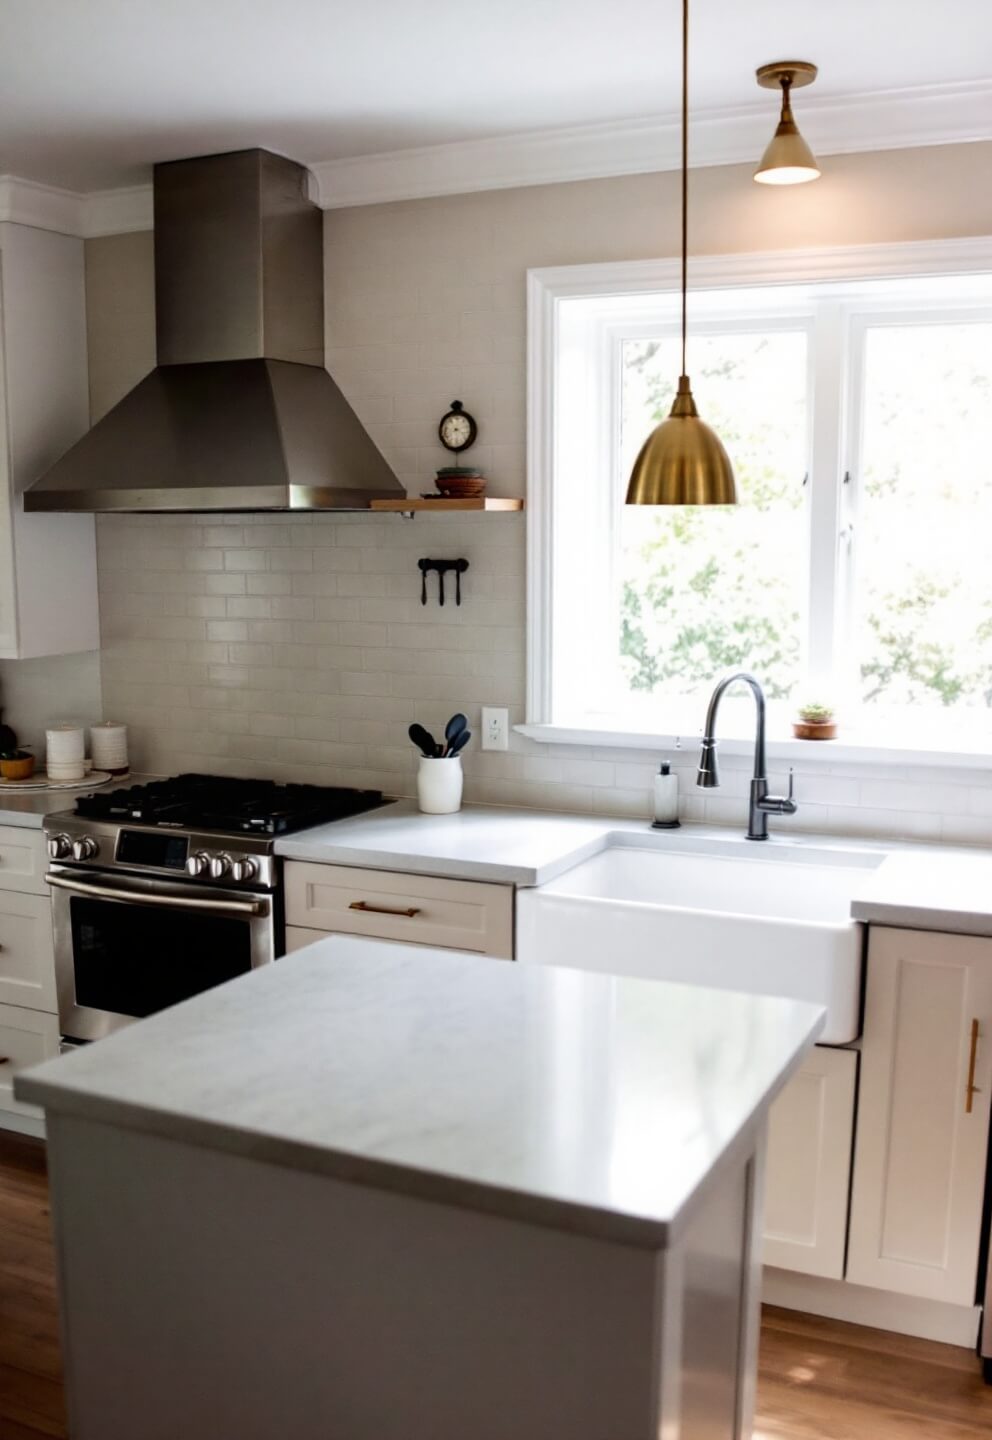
(454, 728)
(424, 741)
(458, 744)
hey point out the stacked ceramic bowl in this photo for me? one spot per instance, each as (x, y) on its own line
(65, 752)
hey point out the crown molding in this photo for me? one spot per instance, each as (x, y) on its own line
(116, 212)
(889, 120)
(102, 212)
(25, 202)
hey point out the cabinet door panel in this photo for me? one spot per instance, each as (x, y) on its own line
(807, 1180)
(23, 860)
(26, 1038)
(27, 958)
(298, 938)
(919, 1168)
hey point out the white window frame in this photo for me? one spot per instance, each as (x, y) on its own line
(834, 412)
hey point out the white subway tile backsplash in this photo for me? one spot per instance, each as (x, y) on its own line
(298, 648)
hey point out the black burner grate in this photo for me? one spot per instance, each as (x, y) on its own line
(211, 802)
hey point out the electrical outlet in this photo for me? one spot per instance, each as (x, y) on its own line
(495, 727)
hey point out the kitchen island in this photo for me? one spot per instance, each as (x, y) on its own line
(374, 1191)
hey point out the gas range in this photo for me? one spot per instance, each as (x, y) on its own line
(163, 890)
(209, 829)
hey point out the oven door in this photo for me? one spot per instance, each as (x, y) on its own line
(127, 946)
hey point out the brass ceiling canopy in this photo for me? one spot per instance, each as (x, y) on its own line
(683, 462)
(788, 160)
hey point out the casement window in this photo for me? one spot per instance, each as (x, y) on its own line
(857, 568)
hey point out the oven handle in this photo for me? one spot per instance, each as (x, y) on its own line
(249, 908)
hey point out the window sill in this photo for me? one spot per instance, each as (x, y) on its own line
(857, 747)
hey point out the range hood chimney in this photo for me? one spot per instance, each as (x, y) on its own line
(239, 413)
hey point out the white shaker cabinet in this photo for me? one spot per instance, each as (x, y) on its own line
(48, 587)
(923, 1115)
(808, 1172)
(29, 1022)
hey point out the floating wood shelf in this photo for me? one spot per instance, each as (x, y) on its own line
(412, 504)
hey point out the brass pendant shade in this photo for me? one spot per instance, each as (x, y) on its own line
(788, 160)
(682, 462)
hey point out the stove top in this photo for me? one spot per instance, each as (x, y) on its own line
(210, 802)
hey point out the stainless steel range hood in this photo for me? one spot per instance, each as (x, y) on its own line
(239, 413)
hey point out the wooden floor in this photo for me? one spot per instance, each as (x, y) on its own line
(819, 1380)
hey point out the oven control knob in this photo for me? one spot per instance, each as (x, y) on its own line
(59, 847)
(220, 865)
(244, 869)
(198, 863)
(85, 848)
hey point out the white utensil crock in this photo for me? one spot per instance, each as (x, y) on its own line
(439, 786)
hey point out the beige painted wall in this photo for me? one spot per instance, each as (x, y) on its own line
(425, 298)
(214, 638)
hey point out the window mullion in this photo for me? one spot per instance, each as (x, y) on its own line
(827, 363)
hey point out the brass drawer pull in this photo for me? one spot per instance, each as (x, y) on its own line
(383, 910)
(972, 1089)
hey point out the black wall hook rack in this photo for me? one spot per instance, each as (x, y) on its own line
(441, 567)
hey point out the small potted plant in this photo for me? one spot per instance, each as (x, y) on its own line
(16, 764)
(815, 722)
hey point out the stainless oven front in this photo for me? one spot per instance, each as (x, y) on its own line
(127, 945)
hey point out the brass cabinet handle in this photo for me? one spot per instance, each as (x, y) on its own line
(383, 909)
(972, 1089)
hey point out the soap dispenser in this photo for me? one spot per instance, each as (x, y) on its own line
(666, 799)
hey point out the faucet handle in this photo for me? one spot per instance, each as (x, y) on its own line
(791, 783)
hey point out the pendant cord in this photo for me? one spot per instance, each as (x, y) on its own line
(685, 163)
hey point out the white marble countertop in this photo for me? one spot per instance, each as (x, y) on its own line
(27, 809)
(480, 842)
(927, 886)
(930, 890)
(578, 1101)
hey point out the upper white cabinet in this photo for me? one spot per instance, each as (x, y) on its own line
(48, 585)
(923, 1115)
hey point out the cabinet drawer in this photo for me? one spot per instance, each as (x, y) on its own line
(419, 909)
(26, 1038)
(297, 938)
(27, 957)
(810, 1131)
(23, 860)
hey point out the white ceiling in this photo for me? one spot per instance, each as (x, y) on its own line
(92, 92)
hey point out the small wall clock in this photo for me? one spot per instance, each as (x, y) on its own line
(457, 430)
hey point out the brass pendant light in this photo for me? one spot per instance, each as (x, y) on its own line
(788, 159)
(682, 462)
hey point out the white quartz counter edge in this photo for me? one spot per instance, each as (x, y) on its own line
(443, 1076)
(29, 809)
(934, 887)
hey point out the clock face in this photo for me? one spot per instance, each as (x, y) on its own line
(457, 429)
